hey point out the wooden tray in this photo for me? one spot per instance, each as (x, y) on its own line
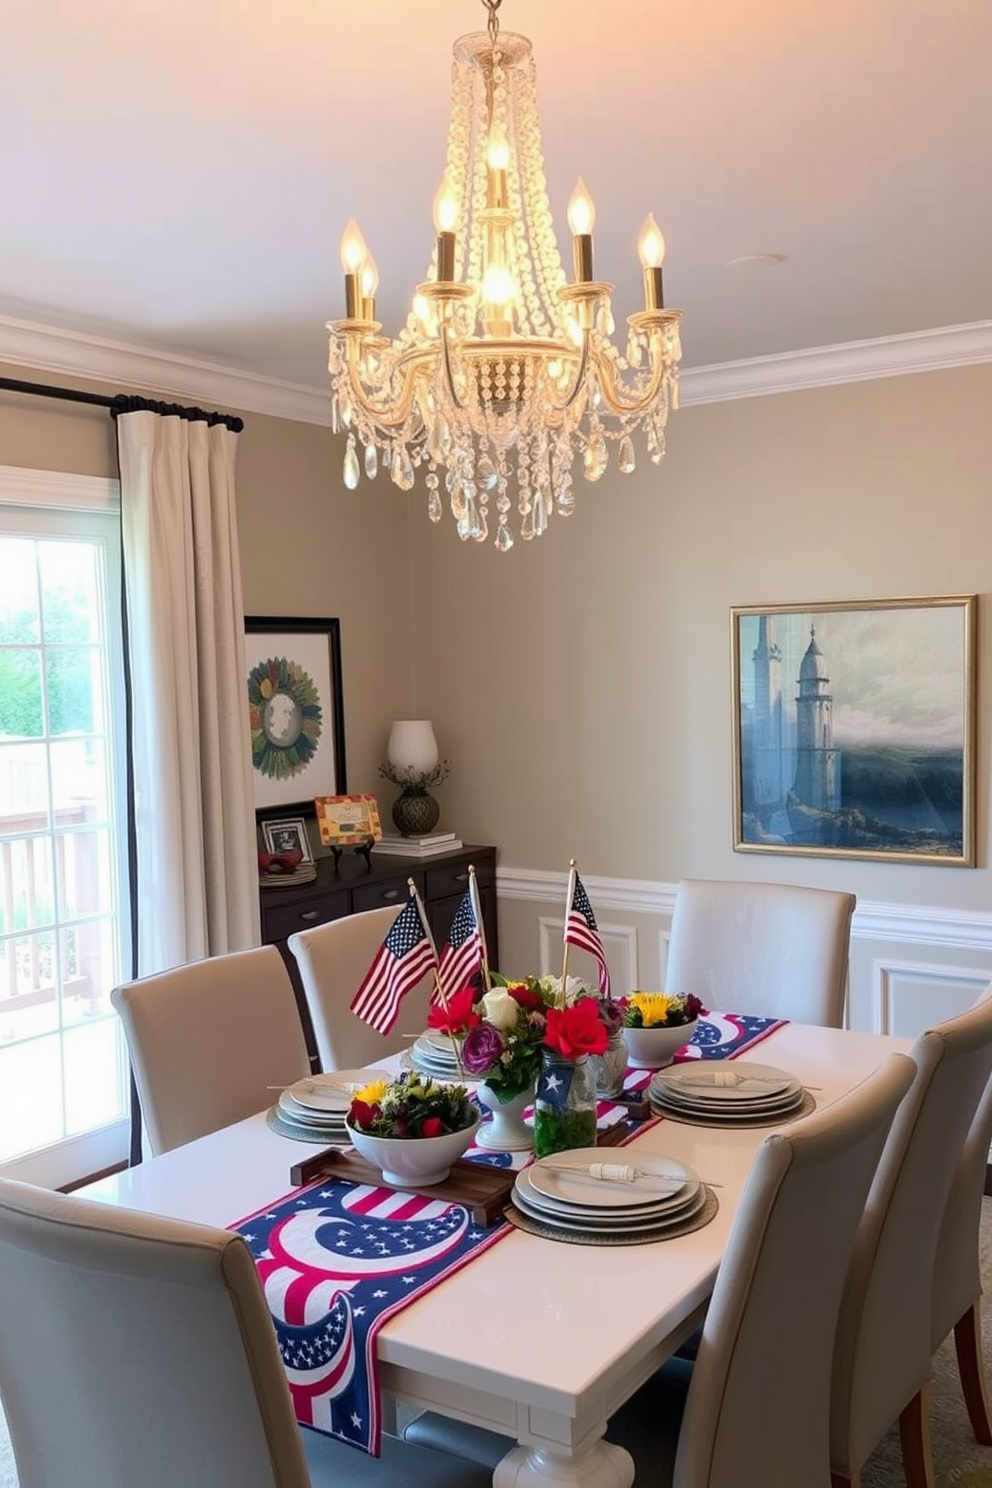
(484, 1190)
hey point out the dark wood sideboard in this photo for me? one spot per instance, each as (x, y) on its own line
(350, 887)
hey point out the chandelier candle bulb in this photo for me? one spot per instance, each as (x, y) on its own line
(651, 249)
(445, 217)
(354, 254)
(581, 221)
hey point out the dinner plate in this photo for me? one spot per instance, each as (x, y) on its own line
(595, 1215)
(707, 1080)
(618, 1223)
(319, 1120)
(716, 1116)
(690, 1101)
(334, 1091)
(555, 1177)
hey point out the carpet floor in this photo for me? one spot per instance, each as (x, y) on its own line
(959, 1462)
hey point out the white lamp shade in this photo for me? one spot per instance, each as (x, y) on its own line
(412, 746)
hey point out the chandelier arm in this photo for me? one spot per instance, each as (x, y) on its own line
(449, 371)
(613, 390)
(580, 375)
(398, 411)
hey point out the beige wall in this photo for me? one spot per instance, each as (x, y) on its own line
(309, 547)
(581, 685)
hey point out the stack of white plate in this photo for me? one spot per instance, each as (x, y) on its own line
(319, 1104)
(711, 1091)
(609, 1195)
(434, 1054)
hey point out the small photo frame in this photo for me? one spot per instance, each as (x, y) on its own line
(348, 821)
(287, 834)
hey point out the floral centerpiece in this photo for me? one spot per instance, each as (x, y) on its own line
(412, 1128)
(509, 1035)
(657, 1024)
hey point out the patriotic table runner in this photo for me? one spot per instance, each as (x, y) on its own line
(725, 1035)
(337, 1261)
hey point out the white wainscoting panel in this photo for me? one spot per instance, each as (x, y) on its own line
(910, 996)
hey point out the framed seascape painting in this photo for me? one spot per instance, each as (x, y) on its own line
(854, 729)
(295, 711)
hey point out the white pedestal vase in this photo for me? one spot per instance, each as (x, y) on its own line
(508, 1131)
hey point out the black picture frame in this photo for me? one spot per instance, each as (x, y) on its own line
(298, 661)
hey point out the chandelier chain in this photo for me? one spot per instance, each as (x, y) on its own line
(493, 24)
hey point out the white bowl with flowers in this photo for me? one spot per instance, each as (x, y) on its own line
(412, 1128)
(656, 1025)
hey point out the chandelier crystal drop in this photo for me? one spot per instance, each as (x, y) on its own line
(504, 375)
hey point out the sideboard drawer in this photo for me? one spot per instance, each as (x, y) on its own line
(280, 923)
(384, 895)
(454, 879)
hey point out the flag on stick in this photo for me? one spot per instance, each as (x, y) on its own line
(400, 962)
(580, 929)
(463, 955)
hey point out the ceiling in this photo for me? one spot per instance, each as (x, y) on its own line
(178, 176)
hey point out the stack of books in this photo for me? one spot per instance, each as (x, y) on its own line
(418, 847)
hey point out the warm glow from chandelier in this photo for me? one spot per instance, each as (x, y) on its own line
(504, 370)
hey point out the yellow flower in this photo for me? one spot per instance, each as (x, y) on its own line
(654, 1007)
(372, 1094)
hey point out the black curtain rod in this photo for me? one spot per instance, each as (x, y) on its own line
(120, 402)
(43, 390)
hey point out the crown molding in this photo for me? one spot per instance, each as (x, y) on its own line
(826, 366)
(124, 365)
(950, 929)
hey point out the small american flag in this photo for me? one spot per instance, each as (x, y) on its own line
(462, 956)
(400, 962)
(580, 930)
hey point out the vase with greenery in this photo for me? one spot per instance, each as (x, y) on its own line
(415, 811)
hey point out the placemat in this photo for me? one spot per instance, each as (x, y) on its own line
(337, 1261)
(550, 1232)
(688, 1119)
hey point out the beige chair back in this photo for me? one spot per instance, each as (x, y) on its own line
(884, 1334)
(333, 960)
(771, 950)
(208, 1041)
(137, 1351)
(758, 1405)
(957, 1282)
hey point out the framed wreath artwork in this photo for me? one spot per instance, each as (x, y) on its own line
(295, 712)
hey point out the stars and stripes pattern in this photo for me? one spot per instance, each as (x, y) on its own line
(725, 1035)
(462, 956)
(400, 962)
(336, 1261)
(581, 931)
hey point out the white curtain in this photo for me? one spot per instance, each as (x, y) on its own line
(197, 876)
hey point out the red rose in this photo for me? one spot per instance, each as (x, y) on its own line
(526, 996)
(576, 1030)
(362, 1114)
(458, 1016)
(433, 1127)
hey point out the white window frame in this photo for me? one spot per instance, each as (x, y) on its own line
(76, 1157)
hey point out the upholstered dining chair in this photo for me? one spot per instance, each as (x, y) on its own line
(757, 1410)
(884, 1351)
(333, 960)
(209, 1040)
(771, 950)
(137, 1350)
(957, 1283)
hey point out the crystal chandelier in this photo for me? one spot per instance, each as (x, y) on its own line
(504, 371)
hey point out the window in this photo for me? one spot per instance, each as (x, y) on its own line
(63, 883)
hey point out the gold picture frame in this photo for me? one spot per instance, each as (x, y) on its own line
(854, 729)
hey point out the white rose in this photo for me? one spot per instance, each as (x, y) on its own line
(500, 1009)
(575, 988)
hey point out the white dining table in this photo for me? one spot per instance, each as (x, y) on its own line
(534, 1338)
